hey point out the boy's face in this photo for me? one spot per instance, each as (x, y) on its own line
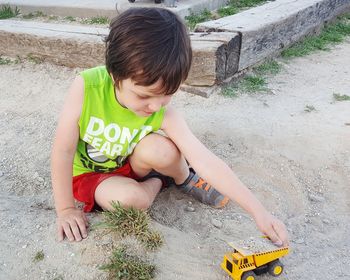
(142, 100)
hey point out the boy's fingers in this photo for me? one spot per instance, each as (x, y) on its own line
(60, 235)
(281, 231)
(76, 231)
(82, 227)
(274, 237)
(68, 231)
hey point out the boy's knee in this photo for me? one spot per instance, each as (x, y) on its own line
(131, 198)
(136, 200)
(159, 151)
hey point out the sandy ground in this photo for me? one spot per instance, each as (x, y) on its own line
(296, 162)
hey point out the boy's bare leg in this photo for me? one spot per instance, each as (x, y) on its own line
(127, 191)
(153, 152)
(159, 153)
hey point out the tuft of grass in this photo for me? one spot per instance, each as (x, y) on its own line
(96, 20)
(230, 91)
(341, 97)
(35, 14)
(235, 6)
(228, 11)
(52, 17)
(39, 256)
(127, 267)
(7, 12)
(330, 35)
(34, 59)
(70, 18)
(269, 67)
(253, 83)
(5, 61)
(131, 221)
(195, 18)
(309, 108)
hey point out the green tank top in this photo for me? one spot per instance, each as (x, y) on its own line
(108, 132)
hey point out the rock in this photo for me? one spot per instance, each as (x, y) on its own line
(1, 173)
(316, 198)
(190, 209)
(299, 241)
(216, 223)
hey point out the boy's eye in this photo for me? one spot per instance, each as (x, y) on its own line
(143, 96)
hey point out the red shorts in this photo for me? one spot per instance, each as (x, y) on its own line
(84, 185)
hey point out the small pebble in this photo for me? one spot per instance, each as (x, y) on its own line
(216, 223)
(299, 241)
(190, 209)
(316, 198)
(1, 174)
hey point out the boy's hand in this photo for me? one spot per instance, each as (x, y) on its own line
(275, 229)
(71, 222)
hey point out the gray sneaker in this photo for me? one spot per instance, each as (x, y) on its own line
(202, 191)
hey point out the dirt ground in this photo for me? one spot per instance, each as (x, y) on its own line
(296, 162)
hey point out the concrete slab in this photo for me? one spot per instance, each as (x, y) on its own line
(109, 8)
(267, 29)
(72, 46)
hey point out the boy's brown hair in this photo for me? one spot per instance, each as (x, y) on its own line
(147, 45)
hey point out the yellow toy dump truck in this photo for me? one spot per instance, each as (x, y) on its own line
(253, 257)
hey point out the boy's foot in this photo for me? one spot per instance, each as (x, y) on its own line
(202, 191)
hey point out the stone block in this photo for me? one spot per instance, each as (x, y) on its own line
(215, 57)
(82, 47)
(266, 30)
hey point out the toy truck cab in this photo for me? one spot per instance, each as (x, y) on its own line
(253, 257)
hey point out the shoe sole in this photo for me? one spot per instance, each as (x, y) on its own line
(222, 204)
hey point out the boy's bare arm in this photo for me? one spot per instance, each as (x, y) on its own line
(71, 221)
(217, 173)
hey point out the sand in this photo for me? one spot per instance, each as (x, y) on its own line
(296, 162)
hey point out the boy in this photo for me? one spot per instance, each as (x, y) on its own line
(106, 131)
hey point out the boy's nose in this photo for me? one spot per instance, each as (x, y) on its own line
(154, 107)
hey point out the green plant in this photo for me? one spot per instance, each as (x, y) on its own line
(246, 3)
(230, 91)
(194, 18)
(268, 67)
(131, 221)
(341, 97)
(5, 61)
(235, 6)
(96, 20)
(34, 15)
(7, 12)
(69, 18)
(331, 34)
(39, 256)
(34, 59)
(51, 17)
(228, 11)
(253, 83)
(127, 267)
(309, 108)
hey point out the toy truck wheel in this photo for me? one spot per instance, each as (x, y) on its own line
(249, 275)
(276, 268)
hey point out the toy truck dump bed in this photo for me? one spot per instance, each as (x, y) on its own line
(252, 257)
